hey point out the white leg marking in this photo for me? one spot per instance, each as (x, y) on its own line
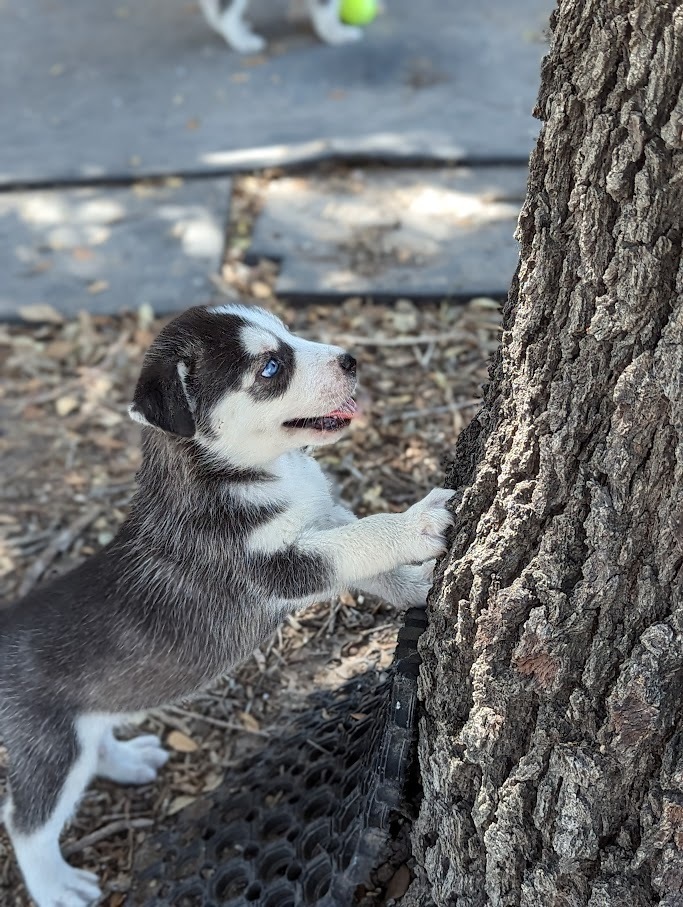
(135, 761)
(327, 24)
(361, 550)
(232, 26)
(50, 880)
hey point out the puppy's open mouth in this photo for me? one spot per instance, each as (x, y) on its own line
(335, 421)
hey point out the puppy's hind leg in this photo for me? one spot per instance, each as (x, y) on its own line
(135, 761)
(51, 762)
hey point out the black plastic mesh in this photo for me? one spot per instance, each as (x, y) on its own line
(308, 819)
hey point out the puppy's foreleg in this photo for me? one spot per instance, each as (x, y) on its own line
(405, 586)
(327, 24)
(228, 21)
(326, 561)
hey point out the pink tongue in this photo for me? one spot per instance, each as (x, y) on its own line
(348, 411)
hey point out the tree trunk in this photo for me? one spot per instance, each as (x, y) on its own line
(551, 742)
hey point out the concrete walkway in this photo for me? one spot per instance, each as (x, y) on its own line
(95, 93)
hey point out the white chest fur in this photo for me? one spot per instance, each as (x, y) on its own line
(302, 492)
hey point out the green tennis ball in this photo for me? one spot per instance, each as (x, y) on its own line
(358, 12)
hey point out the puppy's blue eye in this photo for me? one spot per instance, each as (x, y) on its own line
(271, 369)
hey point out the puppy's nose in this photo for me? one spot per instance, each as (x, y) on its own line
(347, 363)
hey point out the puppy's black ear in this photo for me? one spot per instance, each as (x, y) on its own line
(160, 398)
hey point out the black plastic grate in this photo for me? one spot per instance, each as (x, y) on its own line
(308, 820)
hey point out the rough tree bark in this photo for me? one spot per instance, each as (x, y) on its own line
(551, 744)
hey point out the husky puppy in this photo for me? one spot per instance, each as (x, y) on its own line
(227, 18)
(233, 526)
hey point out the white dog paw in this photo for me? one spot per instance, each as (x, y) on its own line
(135, 761)
(241, 38)
(417, 581)
(429, 520)
(64, 886)
(338, 33)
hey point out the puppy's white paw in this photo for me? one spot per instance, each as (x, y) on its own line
(428, 521)
(417, 581)
(62, 886)
(241, 38)
(135, 761)
(338, 33)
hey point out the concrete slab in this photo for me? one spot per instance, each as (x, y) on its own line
(135, 87)
(104, 250)
(417, 233)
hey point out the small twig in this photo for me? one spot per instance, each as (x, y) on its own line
(417, 340)
(61, 543)
(424, 358)
(400, 415)
(47, 396)
(216, 722)
(103, 491)
(107, 831)
(317, 746)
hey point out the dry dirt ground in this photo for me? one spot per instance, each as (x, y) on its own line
(69, 455)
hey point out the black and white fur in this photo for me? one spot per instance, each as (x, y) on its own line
(227, 18)
(233, 526)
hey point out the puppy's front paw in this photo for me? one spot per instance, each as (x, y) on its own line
(335, 32)
(240, 37)
(418, 581)
(250, 43)
(429, 521)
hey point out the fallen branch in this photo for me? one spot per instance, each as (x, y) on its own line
(216, 722)
(107, 831)
(400, 415)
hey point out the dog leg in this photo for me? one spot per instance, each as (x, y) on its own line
(51, 764)
(229, 23)
(135, 761)
(327, 24)
(405, 587)
(325, 561)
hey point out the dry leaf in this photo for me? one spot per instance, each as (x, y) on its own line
(181, 743)
(65, 405)
(178, 803)
(398, 883)
(58, 349)
(249, 722)
(97, 286)
(212, 783)
(41, 311)
(261, 290)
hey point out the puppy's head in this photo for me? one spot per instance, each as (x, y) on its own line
(237, 382)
